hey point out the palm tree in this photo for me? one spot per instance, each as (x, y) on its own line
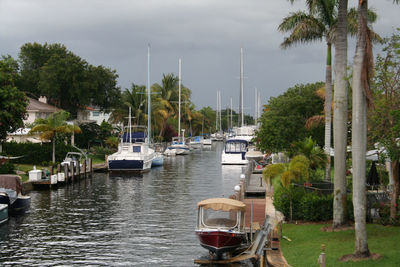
(340, 117)
(320, 23)
(55, 123)
(362, 71)
(167, 94)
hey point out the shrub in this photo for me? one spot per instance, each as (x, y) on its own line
(316, 207)
(7, 168)
(100, 152)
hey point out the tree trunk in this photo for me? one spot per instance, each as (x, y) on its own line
(54, 148)
(340, 118)
(328, 110)
(395, 189)
(359, 139)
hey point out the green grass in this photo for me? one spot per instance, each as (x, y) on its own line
(305, 247)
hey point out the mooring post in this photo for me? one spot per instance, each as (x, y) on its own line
(78, 169)
(251, 222)
(66, 173)
(84, 168)
(91, 168)
(322, 257)
(72, 171)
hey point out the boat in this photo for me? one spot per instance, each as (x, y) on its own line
(158, 157)
(134, 152)
(3, 213)
(11, 194)
(234, 152)
(196, 142)
(220, 225)
(178, 146)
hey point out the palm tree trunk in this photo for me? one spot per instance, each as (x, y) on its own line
(328, 110)
(340, 117)
(359, 137)
(395, 189)
(54, 148)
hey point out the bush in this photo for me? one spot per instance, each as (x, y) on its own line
(100, 152)
(307, 206)
(7, 168)
(36, 154)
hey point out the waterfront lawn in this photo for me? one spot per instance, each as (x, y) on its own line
(305, 247)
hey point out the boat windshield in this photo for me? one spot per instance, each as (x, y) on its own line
(235, 147)
(220, 219)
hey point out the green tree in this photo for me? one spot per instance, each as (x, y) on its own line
(284, 118)
(55, 123)
(13, 102)
(384, 118)
(67, 80)
(296, 170)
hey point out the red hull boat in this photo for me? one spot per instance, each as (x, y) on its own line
(220, 226)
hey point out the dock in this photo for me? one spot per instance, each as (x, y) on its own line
(65, 174)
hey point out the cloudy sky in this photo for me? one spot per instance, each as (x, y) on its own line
(205, 34)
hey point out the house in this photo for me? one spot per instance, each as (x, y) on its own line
(93, 114)
(38, 109)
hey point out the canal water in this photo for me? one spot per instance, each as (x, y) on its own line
(127, 220)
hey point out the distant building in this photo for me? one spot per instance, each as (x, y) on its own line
(38, 109)
(93, 114)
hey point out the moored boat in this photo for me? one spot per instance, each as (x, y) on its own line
(220, 225)
(234, 152)
(11, 194)
(3, 213)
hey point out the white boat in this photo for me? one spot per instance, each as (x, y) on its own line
(196, 142)
(234, 152)
(207, 141)
(179, 146)
(134, 152)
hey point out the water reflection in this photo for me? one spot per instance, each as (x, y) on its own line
(120, 220)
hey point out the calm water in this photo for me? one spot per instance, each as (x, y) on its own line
(120, 221)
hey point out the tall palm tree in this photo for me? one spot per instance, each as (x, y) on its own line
(55, 123)
(362, 71)
(340, 117)
(317, 24)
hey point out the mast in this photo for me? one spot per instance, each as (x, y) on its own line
(220, 114)
(148, 96)
(255, 105)
(179, 100)
(241, 87)
(129, 126)
(216, 116)
(231, 115)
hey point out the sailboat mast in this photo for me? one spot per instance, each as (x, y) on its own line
(255, 105)
(231, 114)
(179, 100)
(216, 115)
(220, 110)
(241, 86)
(129, 126)
(148, 96)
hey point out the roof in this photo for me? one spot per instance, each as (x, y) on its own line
(36, 105)
(224, 204)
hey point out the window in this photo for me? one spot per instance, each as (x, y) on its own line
(96, 113)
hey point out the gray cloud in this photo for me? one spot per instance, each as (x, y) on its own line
(206, 34)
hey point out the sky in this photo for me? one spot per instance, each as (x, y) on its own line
(206, 34)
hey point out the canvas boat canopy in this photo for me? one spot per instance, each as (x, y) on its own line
(224, 204)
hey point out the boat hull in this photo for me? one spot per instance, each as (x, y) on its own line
(3, 213)
(128, 165)
(220, 242)
(21, 204)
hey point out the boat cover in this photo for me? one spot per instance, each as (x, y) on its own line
(12, 185)
(224, 204)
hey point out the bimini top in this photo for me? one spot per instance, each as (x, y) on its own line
(233, 140)
(224, 204)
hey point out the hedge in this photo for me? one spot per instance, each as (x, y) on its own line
(307, 206)
(35, 153)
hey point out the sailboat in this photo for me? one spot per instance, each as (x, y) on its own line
(178, 145)
(134, 151)
(236, 147)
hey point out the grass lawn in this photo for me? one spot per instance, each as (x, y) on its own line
(305, 247)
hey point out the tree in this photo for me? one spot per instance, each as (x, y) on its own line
(283, 122)
(362, 71)
(295, 170)
(55, 123)
(67, 80)
(13, 102)
(384, 118)
(319, 23)
(340, 117)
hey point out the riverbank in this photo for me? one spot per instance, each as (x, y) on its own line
(306, 240)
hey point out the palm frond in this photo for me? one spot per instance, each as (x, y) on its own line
(315, 121)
